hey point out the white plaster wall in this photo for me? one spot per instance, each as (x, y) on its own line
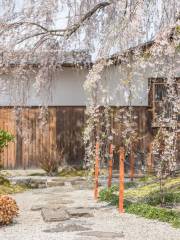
(116, 80)
(67, 87)
(66, 90)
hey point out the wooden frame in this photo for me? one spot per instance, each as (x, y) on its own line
(152, 102)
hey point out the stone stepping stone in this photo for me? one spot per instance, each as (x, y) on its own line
(103, 235)
(78, 221)
(49, 206)
(55, 183)
(68, 228)
(55, 206)
(79, 212)
(60, 201)
(57, 213)
(83, 186)
(37, 207)
(54, 215)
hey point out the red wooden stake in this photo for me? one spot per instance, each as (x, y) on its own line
(132, 165)
(150, 160)
(121, 180)
(110, 166)
(96, 171)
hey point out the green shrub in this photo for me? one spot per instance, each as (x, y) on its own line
(5, 138)
(108, 195)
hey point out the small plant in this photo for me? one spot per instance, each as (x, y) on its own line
(109, 195)
(8, 210)
(51, 164)
(5, 138)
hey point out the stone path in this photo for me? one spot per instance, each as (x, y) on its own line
(65, 213)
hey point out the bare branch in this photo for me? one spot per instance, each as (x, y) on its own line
(31, 36)
(35, 24)
(19, 24)
(87, 16)
(56, 32)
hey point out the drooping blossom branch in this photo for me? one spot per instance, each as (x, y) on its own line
(53, 32)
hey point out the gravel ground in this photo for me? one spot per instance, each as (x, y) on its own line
(106, 224)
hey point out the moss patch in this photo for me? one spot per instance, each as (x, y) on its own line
(68, 172)
(72, 173)
(37, 174)
(150, 212)
(4, 189)
(144, 200)
(4, 181)
(142, 193)
(7, 188)
(147, 190)
(178, 29)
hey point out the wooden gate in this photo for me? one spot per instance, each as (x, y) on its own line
(34, 141)
(70, 126)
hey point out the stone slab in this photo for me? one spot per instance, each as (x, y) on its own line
(54, 215)
(60, 201)
(37, 207)
(79, 212)
(55, 183)
(102, 235)
(30, 181)
(83, 186)
(54, 206)
(68, 228)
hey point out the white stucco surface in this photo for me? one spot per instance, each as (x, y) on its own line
(66, 87)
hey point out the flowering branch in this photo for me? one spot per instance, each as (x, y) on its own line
(55, 32)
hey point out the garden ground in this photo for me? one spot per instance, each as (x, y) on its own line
(70, 213)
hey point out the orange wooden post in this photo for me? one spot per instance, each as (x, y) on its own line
(132, 165)
(96, 171)
(150, 160)
(110, 165)
(121, 180)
